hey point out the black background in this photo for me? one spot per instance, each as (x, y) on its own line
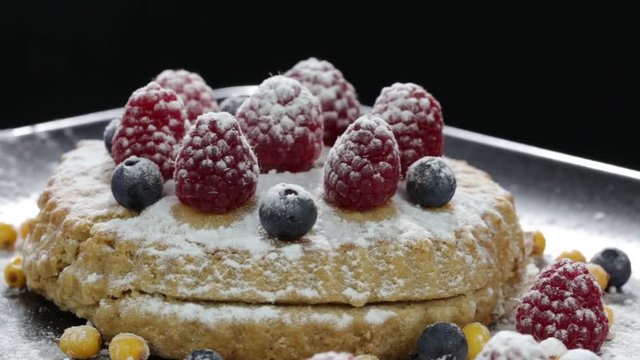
(560, 77)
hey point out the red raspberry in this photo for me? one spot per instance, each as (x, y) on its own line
(197, 96)
(283, 123)
(152, 127)
(564, 302)
(362, 170)
(338, 98)
(415, 117)
(216, 171)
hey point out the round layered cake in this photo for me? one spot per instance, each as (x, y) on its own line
(359, 281)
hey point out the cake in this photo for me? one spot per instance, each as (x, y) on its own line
(364, 280)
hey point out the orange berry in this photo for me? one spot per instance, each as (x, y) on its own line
(477, 335)
(574, 255)
(609, 311)
(601, 275)
(8, 236)
(81, 342)
(14, 275)
(127, 346)
(539, 243)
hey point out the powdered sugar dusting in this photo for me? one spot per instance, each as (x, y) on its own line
(509, 345)
(378, 316)
(227, 313)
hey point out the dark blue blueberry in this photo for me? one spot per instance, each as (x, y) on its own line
(287, 211)
(109, 132)
(442, 341)
(232, 103)
(430, 182)
(616, 263)
(136, 183)
(204, 355)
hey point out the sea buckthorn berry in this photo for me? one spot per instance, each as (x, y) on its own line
(609, 312)
(601, 275)
(14, 275)
(574, 255)
(477, 335)
(8, 236)
(127, 346)
(81, 342)
(539, 243)
(17, 260)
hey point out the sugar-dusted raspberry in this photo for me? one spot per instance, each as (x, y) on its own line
(283, 123)
(338, 98)
(152, 126)
(216, 171)
(564, 302)
(197, 96)
(416, 119)
(362, 170)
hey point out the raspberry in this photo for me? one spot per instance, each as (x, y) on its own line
(152, 126)
(564, 302)
(283, 123)
(197, 96)
(338, 98)
(415, 117)
(216, 171)
(362, 170)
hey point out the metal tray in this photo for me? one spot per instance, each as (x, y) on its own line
(577, 203)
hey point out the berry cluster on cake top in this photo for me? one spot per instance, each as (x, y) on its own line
(172, 126)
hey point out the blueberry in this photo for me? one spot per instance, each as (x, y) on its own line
(287, 211)
(616, 263)
(109, 132)
(203, 355)
(136, 183)
(442, 341)
(232, 103)
(430, 182)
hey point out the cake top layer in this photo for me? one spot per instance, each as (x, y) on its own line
(169, 222)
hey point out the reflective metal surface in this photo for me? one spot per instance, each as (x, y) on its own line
(577, 203)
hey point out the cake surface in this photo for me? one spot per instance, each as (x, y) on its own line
(365, 282)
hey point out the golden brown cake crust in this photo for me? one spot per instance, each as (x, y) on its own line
(93, 257)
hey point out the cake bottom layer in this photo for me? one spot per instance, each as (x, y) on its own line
(241, 331)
